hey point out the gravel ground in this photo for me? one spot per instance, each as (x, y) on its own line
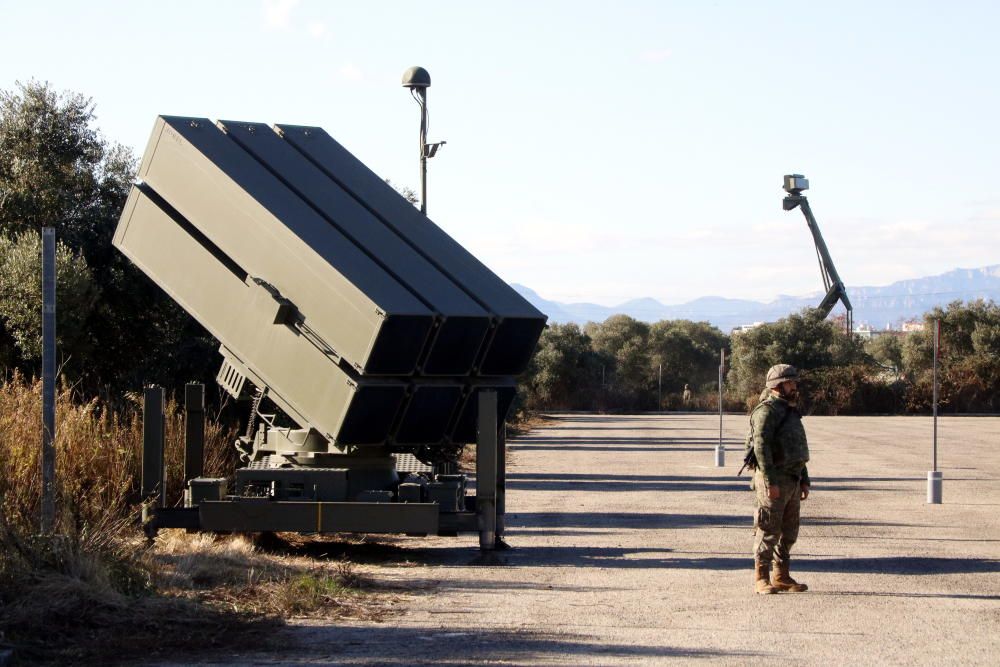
(630, 546)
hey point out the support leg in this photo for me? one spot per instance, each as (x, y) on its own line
(501, 487)
(486, 469)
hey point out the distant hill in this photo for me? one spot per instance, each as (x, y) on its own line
(876, 306)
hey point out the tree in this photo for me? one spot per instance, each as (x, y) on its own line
(688, 352)
(886, 350)
(56, 169)
(624, 341)
(406, 192)
(806, 340)
(969, 357)
(564, 373)
(21, 296)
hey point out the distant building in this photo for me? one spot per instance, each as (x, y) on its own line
(743, 328)
(912, 325)
(864, 331)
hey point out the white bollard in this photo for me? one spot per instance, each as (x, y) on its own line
(720, 456)
(934, 480)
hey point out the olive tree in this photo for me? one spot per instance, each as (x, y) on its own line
(623, 342)
(806, 340)
(57, 170)
(969, 357)
(564, 372)
(687, 351)
(21, 296)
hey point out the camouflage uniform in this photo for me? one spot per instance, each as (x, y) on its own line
(779, 442)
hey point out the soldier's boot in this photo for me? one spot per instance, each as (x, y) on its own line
(782, 581)
(761, 583)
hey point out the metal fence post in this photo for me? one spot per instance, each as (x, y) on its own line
(152, 444)
(194, 430)
(720, 450)
(48, 379)
(934, 476)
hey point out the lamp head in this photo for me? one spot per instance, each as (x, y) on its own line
(416, 78)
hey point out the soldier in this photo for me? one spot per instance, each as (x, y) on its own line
(686, 396)
(780, 481)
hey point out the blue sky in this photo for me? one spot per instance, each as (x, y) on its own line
(596, 151)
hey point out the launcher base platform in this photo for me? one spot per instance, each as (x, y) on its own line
(375, 495)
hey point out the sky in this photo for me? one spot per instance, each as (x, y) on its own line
(596, 151)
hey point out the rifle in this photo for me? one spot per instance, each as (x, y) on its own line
(750, 460)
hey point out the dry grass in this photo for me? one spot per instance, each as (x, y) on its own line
(232, 571)
(96, 592)
(58, 619)
(97, 458)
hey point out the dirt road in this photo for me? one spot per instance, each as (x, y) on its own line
(630, 546)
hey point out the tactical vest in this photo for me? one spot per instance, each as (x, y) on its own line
(790, 447)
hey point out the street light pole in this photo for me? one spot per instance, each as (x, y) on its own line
(418, 80)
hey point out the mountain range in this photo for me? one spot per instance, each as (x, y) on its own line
(875, 306)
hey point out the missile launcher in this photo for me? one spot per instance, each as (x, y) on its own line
(371, 345)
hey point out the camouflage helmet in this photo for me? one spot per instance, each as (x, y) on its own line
(780, 373)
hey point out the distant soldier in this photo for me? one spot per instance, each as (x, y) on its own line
(780, 481)
(686, 396)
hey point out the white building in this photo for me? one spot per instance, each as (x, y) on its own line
(743, 328)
